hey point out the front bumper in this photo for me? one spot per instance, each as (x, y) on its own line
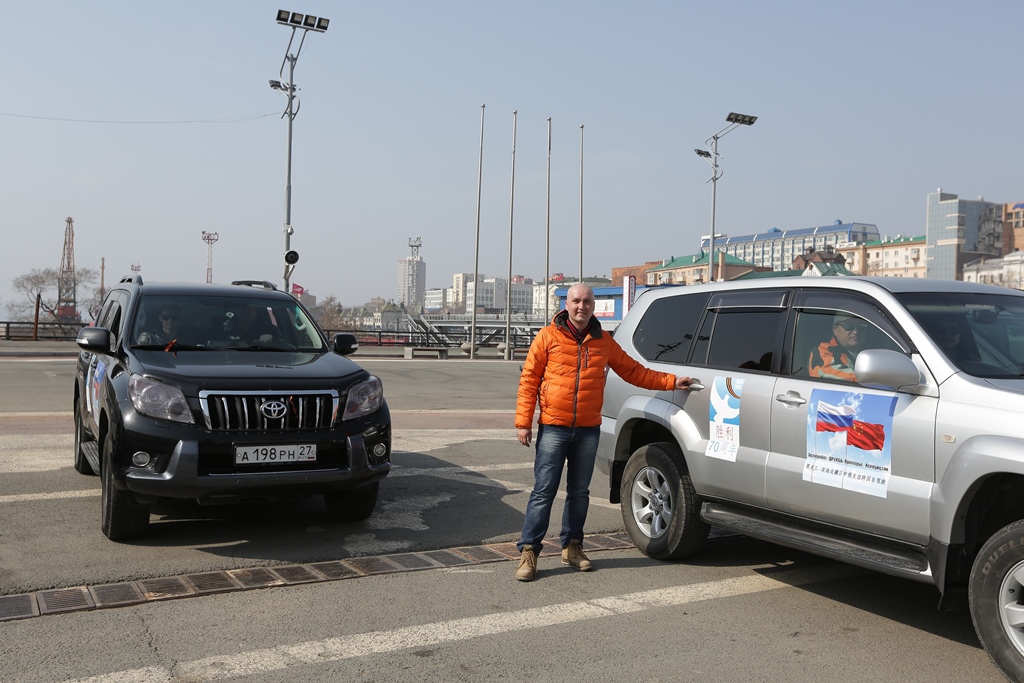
(200, 464)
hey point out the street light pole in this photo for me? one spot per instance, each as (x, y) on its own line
(711, 156)
(306, 23)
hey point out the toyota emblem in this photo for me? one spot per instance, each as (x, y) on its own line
(273, 410)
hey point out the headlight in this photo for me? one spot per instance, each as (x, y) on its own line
(364, 398)
(157, 399)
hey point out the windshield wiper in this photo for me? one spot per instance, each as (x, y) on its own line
(172, 346)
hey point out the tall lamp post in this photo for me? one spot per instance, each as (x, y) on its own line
(307, 23)
(711, 156)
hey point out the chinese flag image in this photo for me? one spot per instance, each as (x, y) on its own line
(866, 436)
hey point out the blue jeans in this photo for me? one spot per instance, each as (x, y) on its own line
(557, 446)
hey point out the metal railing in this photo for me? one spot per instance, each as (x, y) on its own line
(12, 329)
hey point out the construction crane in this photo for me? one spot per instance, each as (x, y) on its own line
(415, 245)
(67, 280)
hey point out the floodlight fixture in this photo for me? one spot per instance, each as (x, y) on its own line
(711, 156)
(741, 119)
(306, 22)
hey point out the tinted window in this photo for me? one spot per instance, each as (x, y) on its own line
(666, 331)
(832, 328)
(739, 339)
(226, 322)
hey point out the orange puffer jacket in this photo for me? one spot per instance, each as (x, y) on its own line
(567, 376)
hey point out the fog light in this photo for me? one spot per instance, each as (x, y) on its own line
(141, 459)
(379, 450)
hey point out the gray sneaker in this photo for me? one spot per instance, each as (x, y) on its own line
(573, 556)
(527, 570)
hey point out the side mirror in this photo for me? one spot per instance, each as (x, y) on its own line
(886, 369)
(94, 339)
(345, 344)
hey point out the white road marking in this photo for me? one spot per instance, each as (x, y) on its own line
(35, 452)
(282, 657)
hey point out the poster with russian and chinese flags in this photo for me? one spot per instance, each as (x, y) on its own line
(848, 441)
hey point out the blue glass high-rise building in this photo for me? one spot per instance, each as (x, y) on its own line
(959, 231)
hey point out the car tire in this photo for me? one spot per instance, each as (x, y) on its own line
(352, 505)
(121, 516)
(660, 508)
(82, 465)
(996, 596)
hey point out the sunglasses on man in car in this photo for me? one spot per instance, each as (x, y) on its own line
(853, 326)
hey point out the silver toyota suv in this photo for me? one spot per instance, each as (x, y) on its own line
(876, 421)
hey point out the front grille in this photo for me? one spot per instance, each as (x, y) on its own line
(296, 411)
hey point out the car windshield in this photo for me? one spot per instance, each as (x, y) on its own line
(982, 334)
(183, 323)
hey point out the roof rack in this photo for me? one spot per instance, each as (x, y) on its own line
(255, 283)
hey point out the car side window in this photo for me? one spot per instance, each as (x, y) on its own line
(728, 339)
(742, 330)
(666, 332)
(832, 329)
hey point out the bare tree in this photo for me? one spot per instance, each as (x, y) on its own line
(43, 284)
(328, 313)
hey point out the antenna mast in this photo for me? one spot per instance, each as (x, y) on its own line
(209, 238)
(67, 282)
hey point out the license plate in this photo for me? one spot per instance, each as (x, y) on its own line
(273, 455)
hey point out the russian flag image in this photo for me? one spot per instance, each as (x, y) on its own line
(834, 418)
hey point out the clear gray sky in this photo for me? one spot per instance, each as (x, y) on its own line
(151, 122)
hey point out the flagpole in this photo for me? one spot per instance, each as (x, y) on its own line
(508, 283)
(581, 202)
(476, 258)
(547, 238)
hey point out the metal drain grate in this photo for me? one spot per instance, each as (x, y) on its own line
(480, 554)
(447, 558)
(116, 594)
(298, 574)
(165, 589)
(18, 607)
(256, 578)
(64, 600)
(373, 565)
(212, 582)
(335, 570)
(412, 561)
(204, 583)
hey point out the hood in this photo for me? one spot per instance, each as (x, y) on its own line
(244, 368)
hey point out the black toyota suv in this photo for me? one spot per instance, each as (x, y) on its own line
(221, 393)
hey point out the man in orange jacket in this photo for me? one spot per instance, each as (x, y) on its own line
(565, 371)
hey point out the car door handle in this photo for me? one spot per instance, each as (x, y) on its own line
(791, 400)
(695, 385)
